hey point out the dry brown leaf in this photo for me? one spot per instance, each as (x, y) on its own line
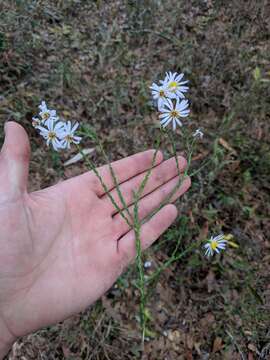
(109, 309)
(217, 346)
(175, 336)
(207, 320)
(189, 355)
(200, 156)
(197, 347)
(189, 341)
(204, 231)
(210, 280)
(252, 347)
(227, 146)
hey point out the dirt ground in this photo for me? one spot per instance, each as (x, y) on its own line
(94, 61)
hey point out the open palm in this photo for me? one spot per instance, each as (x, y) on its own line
(64, 246)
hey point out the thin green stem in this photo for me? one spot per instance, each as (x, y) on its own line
(136, 222)
(174, 150)
(139, 264)
(178, 185)
(165, 201)
(137, 230)
(104, 186)
(147, 175)
(190, 157)
(171, 260)
(200, 168)
(115, 181)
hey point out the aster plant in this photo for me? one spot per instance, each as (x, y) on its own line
(169, 100)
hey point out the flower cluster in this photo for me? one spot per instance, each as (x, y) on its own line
(60, 134)
(169, 96)
(215, 244)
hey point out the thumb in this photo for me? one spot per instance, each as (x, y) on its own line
(14, 162)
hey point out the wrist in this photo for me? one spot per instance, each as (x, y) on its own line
(6, 339)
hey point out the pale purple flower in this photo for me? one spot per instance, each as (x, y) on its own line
(176, 88)
(173, 111)
(68, 134)
(159, 93)
(52, 133)
(214, 245)
(45, 113)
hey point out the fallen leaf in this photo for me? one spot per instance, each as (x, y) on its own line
(110, 310)
(189, 341)
(200, 156)
(252, 347)
(217, 346)
(210, 280)
(197, 347)
(227, 146)
(79, 156)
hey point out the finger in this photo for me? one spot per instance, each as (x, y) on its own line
(14, 163)
(159, 175)
(150, 231)
(124, 169)
(151, 201)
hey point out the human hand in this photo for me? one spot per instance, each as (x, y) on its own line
(62, 247)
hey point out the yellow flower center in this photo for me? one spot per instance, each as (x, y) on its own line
(35, 122)
(51, 135)
(45, 116)
(214, 245)
(161, 93)
(172, 85)
(174, 114)
(69, 138)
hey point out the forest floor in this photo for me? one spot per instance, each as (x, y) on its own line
(94, 61)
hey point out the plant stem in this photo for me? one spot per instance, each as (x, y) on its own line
(116, 184)
(92, 167)
(200, 168)
(139, 264)
(137, 230)
(171, 260)
(181, 179)
(174, 150)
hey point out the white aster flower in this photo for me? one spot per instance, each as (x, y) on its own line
(215, 244)
(36, 122)
(198, 133)
(159, 93)
(46, 113)
(176, 87)
(68, 135)
(52, 133)
(172, 112)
